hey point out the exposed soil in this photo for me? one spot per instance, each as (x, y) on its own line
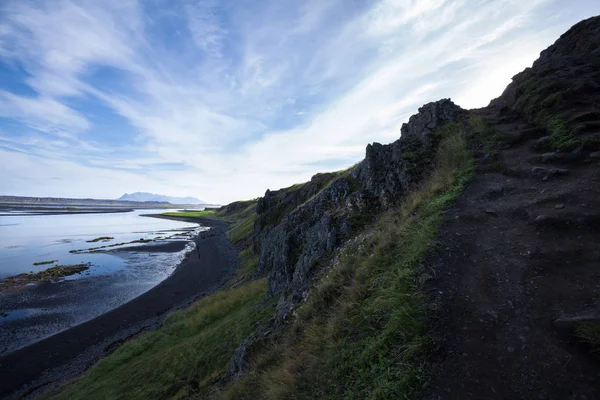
(69, 353)
(519, 250)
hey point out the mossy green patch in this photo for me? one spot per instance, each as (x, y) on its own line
(182, 358)
(50, 274)
(45, 262)
(562, 136)
(100, 239)
(589, 333)
(488, 140)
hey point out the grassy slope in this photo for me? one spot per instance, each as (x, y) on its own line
(195, 214)
(194, 346)
(356, 337)
(183, 357)
(361, 329)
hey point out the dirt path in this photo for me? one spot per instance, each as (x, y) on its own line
(520, 249)
(70, 352)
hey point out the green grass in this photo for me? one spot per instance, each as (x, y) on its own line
(360, 334)
(241, 221)
(242, 229)
(50, 274)
(544, 102)
(489, 141)
(562, 136)
(45, 262)
(182, 358)
(195, 214)
(100, 239)
(249, 264)
(589, 333)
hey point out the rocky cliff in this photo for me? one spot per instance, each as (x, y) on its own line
(560, 91)
(298, 226)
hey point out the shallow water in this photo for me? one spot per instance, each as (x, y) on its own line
(115, 277)
(27, 239)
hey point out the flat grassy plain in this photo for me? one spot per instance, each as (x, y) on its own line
(195, 214)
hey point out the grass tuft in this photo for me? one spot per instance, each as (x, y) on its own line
(589, 333)
(562, 136)
(182, 358)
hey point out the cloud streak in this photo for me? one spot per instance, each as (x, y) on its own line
(222, 100)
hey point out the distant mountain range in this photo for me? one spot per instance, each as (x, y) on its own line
(144, 196)
(60, 201)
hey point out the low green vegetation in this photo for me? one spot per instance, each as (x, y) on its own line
(241, 225)
(487, 140)
(242, 229)
(184, 357)
(248, 265)
(361, 333)
(50, 274)
(194, 214)
(241, 221)
(562, 136)
(589, 333)
(45, 262)
(100, 239)
(543, 101)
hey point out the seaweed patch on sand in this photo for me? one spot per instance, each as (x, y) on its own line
(47, 275)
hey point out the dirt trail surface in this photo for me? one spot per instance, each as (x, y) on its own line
(519, 250)
(70, 352)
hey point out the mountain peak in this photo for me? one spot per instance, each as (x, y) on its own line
(145, 196)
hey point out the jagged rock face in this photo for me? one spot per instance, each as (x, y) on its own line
(289, 250)
(296, 228)
(275, 205)
(564, 81)
(388, 170)
(430, 118)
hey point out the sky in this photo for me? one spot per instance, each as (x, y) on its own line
(222, 100)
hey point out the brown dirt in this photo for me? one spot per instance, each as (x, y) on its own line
(519, 249)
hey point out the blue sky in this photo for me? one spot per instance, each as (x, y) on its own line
(224, 99)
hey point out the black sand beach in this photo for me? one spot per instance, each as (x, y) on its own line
(70, 352)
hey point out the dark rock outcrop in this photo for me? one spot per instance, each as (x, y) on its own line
(388, 170)
(297, 227)
(237, 364)
(562, 86)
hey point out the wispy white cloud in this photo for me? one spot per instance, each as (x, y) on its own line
(43, 113)
(241, 97)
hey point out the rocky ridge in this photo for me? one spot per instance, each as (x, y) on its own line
(560, 91)
(550, 117)
(299, 226)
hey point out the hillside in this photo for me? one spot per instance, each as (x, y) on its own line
(459, 261)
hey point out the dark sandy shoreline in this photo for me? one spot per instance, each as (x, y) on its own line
(68, 353)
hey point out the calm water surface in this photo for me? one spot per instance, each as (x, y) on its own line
(27, 239)
(114, 277)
